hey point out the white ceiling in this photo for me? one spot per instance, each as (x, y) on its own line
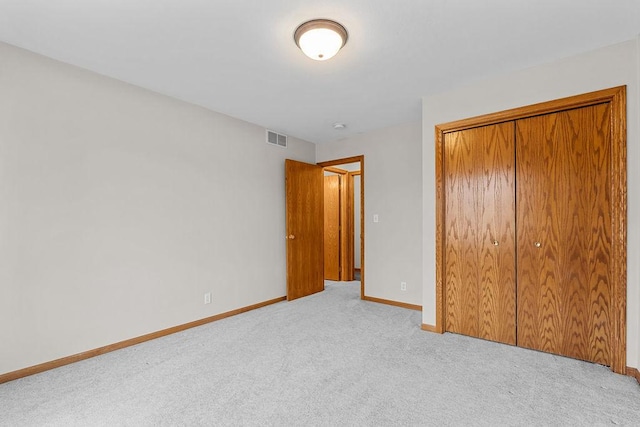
(238, 56)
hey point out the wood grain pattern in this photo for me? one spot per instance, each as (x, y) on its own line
(440, 208)
(479, 238)
(461, 260)
(564, 203)
(332, 219)
(496, 207)
(616, 98)
(10, 376)
(304, 187)
(618, 313)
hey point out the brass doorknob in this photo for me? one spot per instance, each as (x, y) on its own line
(537, 244)
(291, 237)
(495, 243)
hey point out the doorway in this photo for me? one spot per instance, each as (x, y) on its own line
(304, 188)
(344, 220)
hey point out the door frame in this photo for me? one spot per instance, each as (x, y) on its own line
(355, 159)
(616, 98)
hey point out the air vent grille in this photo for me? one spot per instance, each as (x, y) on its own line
(276, 139)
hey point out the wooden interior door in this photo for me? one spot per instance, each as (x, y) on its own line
(304, 225)
(564, 233)
(479, 231)
(332, 221)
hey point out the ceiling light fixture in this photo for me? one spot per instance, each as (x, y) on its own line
(320, 39)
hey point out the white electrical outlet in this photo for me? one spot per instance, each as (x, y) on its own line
(376, 218)
(207, 298)
(403, 286)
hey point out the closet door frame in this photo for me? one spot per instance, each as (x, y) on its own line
(616, 98)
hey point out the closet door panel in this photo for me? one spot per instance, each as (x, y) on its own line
(537, 223)
(480, 232)
(496, 206)
(564, 232)
(461, 238)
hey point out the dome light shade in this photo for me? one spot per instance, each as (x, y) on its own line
(320, 39)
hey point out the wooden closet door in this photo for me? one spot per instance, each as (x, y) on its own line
(564, 232)
(480, 232)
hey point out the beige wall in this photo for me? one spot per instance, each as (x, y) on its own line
(120, 208)
(393, 190)
(604, 68)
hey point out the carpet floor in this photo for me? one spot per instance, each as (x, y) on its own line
(330, 359)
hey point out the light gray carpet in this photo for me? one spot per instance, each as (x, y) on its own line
(326, 360)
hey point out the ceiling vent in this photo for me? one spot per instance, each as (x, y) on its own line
(276, 139)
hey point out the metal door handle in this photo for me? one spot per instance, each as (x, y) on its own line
(290, 236)
(537, 244)
(495, 243)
